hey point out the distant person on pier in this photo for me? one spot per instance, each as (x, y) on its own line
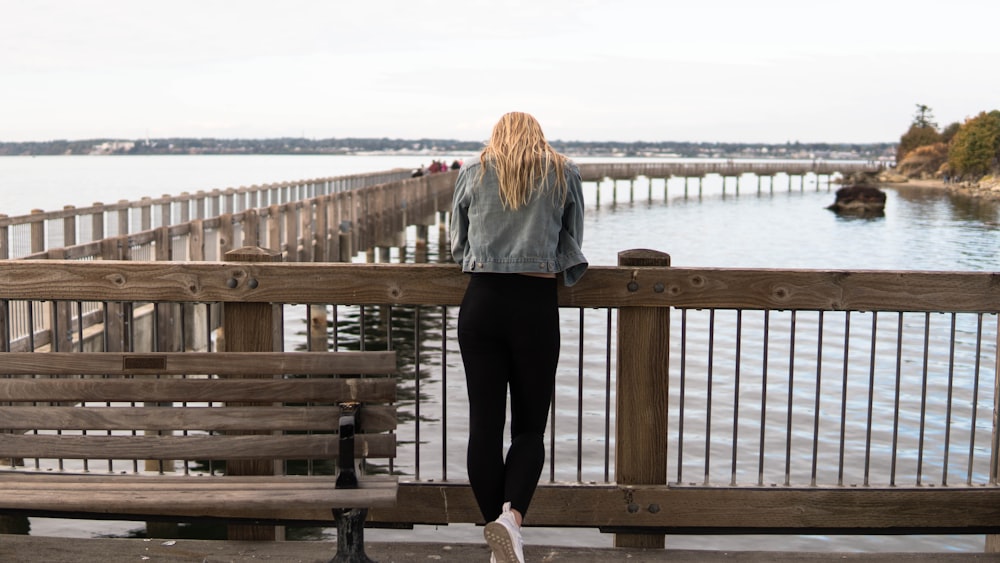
(418, 172)
(516, 227)
(455, 165)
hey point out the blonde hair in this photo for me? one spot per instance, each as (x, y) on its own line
(523, 160)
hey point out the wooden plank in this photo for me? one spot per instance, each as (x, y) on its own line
(192, 447)
(325, 390)
(695, 510)
(185, 363)
(421, 284)
(376, 418)
(264, 497)
(89, 481)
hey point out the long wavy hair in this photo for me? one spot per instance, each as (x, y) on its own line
(523, 160)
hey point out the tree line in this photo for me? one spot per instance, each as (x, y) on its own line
(355, 145)
(958, 152)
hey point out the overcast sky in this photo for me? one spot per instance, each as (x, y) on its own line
(592, 70)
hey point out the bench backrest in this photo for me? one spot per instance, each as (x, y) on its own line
(193, 406)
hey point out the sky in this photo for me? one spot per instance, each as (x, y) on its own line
(767, 71)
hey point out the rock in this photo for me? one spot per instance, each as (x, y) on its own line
(859, 199)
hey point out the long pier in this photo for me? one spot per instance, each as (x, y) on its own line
(306, 219)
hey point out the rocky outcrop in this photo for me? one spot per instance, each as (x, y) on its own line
(859, 199)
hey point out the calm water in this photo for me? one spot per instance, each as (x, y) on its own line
(921, 230)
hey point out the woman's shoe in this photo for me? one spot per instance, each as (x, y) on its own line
(504, 537)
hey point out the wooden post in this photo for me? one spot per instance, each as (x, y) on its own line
(251, 327)
(274, 228)
(251, 228)
(166, 211)
(643, 362)
(97, 222)
(227, 232)
(420, 246)
(69, 226)
(37, 233)
(4, 240)
(123, 217)
(146, 214)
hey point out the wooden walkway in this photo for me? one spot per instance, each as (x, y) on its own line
(31, 549)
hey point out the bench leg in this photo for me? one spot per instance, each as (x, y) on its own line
(351, 536)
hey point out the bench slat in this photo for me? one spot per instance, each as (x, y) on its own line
(315, 390)
(279, 498)
(192, 447)
(183, 363)
(374, 418)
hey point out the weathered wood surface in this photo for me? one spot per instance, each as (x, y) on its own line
(196, 389)
(422, 284)
(191, 447)
(612, 508)
(253, 497)
(672, 509)
(374, 418)
(642, 389)
(204, 363)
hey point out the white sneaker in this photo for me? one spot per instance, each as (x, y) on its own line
(504, 537)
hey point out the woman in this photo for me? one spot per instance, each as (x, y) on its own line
(517, 222)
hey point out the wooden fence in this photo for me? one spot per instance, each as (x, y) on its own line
(910, 346)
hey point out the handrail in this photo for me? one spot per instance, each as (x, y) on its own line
(443, 284)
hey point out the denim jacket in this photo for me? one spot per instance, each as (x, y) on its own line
(542, 236)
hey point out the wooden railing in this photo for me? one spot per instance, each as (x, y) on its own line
(212, 222)
(759, 438)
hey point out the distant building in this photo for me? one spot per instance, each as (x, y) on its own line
(112, 147)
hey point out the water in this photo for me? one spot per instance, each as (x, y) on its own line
(787, 228)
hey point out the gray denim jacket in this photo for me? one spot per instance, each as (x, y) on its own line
(543, 236)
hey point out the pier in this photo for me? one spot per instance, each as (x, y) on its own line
(646, 426)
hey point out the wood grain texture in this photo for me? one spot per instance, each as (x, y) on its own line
(439, 284)
(265, 497)
(671, 509)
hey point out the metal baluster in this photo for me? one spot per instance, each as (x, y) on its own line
(736, 394)
(948, 406)
(843, 397)
(708, 395)
(819, 394)
(763, 400)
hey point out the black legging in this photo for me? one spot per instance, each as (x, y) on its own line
(508, 331)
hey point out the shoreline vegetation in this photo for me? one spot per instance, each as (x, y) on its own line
(356, 146)
(986, 188)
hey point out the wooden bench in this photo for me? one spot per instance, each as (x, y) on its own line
(186, 436)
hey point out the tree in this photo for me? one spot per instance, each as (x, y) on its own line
(915, 138)
(923, 118)
(974, 151)
(949, 132)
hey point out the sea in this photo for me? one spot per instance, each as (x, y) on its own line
(783, 225)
